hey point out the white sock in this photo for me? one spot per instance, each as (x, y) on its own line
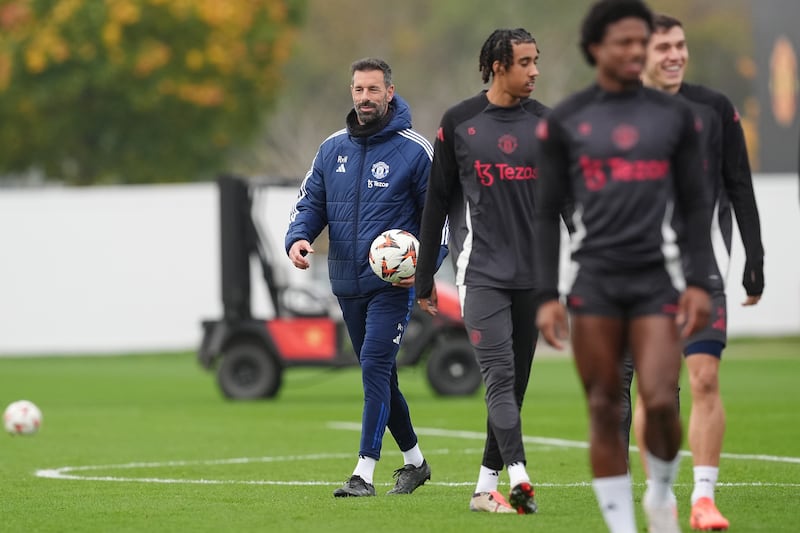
(662, 477)
(705, 481)
(517, 474)
(672, 498)
(615, 496)
(413, 456)
(487, 480)
(365, 468)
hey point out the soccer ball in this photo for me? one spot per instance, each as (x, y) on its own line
(22, 418)
(393, 255)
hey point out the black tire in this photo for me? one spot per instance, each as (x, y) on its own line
(249, 371)
(453, 369)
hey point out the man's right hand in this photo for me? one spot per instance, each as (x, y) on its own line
(551, 319)
(694, 310)
(298, 252)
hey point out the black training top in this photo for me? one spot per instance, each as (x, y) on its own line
(733, 185)
(482, 178)
(625, 160)
(709, 129)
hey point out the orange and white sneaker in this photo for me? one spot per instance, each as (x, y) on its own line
(490, 502)
(706, 516)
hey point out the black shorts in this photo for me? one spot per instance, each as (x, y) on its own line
(715, 332)
(623, 295)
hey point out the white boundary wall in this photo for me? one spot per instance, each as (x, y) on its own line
(136, 268)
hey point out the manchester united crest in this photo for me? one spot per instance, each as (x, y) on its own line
(625, 136)
(507, 143)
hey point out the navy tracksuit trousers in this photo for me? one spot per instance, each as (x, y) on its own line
(376, 324)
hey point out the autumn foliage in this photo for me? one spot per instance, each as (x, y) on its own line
(114, 91)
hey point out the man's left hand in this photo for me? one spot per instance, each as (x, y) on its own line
(429, 304)
(406, 283)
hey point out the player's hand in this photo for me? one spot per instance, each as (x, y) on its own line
(406, 283)
(751, 300)
(551, 319)
(753, 279)
(298, 252)
(430, 304)
(694, 309)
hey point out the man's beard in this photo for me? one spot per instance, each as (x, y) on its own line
(374, 114)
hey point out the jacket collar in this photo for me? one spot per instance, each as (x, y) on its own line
(368, 130)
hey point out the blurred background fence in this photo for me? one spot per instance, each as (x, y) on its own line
(145, 277)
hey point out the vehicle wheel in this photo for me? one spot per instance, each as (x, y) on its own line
(453, 369)
(249, 371)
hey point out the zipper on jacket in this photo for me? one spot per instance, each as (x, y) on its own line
(357, 213)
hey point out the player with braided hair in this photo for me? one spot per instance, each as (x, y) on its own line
(482, 179)
(500, 47)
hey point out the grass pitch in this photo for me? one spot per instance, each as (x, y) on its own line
(147, 443)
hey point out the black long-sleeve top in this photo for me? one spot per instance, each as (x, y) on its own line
(734, 186)
(625, 161)
(482, 180)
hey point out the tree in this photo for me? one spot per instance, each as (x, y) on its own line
(110, 91)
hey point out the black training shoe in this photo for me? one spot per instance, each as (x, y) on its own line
(355, 486)
(521, 498)
(410, 477)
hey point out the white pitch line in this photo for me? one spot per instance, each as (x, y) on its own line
(67, 472)
(63, 473)
(206, 462)
(56, 474)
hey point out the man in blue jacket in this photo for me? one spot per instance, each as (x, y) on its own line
(365, 179)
